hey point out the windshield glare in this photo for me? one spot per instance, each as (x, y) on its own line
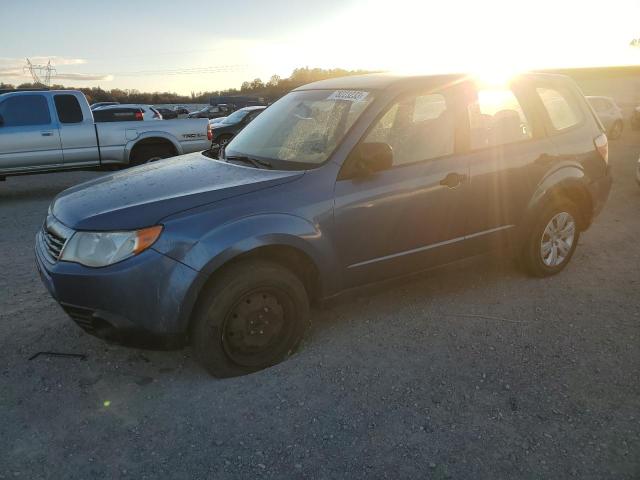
(235, 117)
(301, 127)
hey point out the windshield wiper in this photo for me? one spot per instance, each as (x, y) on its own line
(255, 162)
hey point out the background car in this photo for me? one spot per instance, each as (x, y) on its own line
(148, 112)
(228, 128)
(609, 114)
(102, 104)
(212, 111)
(635, 118)
(213, 121)
(167, 113)
(181, 111)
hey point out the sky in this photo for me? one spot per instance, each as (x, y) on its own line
(190, 46)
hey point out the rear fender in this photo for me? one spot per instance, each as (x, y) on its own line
(132, 142)
(567, 178)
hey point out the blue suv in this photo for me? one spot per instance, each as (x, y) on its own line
(340, 183)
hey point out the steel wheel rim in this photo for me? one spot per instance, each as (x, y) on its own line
(557, 239)
(257, 329)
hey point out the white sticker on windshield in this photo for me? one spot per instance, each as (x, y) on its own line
(348, 95)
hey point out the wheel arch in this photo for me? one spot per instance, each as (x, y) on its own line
(296, 259)
(152, 139)
(568, 183)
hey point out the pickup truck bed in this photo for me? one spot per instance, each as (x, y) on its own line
(43, 131)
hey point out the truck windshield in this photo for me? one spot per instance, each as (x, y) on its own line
(301, 128)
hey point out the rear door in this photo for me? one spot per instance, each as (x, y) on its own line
(29, 136)
(508, 154)
(77, 132)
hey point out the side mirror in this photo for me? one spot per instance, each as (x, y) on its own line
(369, 158)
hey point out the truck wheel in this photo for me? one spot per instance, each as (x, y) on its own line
(616, 130)
(552, 240)
(147, 154)
(254, 315)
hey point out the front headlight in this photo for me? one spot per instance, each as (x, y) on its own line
(99, 249)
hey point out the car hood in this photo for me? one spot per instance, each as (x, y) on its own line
(141, 196)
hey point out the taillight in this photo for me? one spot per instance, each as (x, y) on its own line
(139, 116)
(209, 132)
(602, 145)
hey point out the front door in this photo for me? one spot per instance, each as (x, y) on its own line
(410, 216)
(29, 138)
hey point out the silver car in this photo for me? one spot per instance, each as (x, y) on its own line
(609, 114)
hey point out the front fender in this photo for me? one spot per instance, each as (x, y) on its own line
(132, 142)
(227, 242)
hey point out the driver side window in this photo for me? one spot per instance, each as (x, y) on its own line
(417, 127)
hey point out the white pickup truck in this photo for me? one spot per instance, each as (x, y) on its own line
(51, 130)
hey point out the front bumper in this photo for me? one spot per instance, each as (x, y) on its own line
(140, 295)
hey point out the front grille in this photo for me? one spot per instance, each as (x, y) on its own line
(53, 243)
(54, 236)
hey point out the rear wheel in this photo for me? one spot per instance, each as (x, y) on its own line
(252, 316)
(150, 153)
(552, 240)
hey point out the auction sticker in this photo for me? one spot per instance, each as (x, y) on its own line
(348, 95)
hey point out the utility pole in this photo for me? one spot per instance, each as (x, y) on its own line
(37, 70)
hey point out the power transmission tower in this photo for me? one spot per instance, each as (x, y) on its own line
(37, 70)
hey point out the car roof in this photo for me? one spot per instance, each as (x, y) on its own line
(253, 107)
(383, 81)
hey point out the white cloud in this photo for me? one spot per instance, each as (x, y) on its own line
(81, 76)
(40, 60)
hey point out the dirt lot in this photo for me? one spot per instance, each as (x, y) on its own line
(470, 371)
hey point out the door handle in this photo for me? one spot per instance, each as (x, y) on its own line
(453, 179)
(46, 134)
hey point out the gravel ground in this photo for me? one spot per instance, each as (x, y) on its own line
(469, 371)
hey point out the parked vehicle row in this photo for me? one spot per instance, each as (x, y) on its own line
(56, 130)
(340, 183)
(610, 114)
(212, 111)
(224, 130)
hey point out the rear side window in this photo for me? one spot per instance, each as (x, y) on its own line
(68, 109)
(417, 128)
(25, 110)
(563, 111)
(497, 118)
(117, 115)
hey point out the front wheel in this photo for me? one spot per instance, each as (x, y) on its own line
(253, 315)
(552, 240)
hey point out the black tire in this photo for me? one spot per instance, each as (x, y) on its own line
(531, 257)
(252, 315)
(150, 153)
(616, 130)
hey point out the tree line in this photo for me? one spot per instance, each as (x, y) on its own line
(275, 88)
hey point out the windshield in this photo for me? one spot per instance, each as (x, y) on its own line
(301, 127)
(235, 117)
